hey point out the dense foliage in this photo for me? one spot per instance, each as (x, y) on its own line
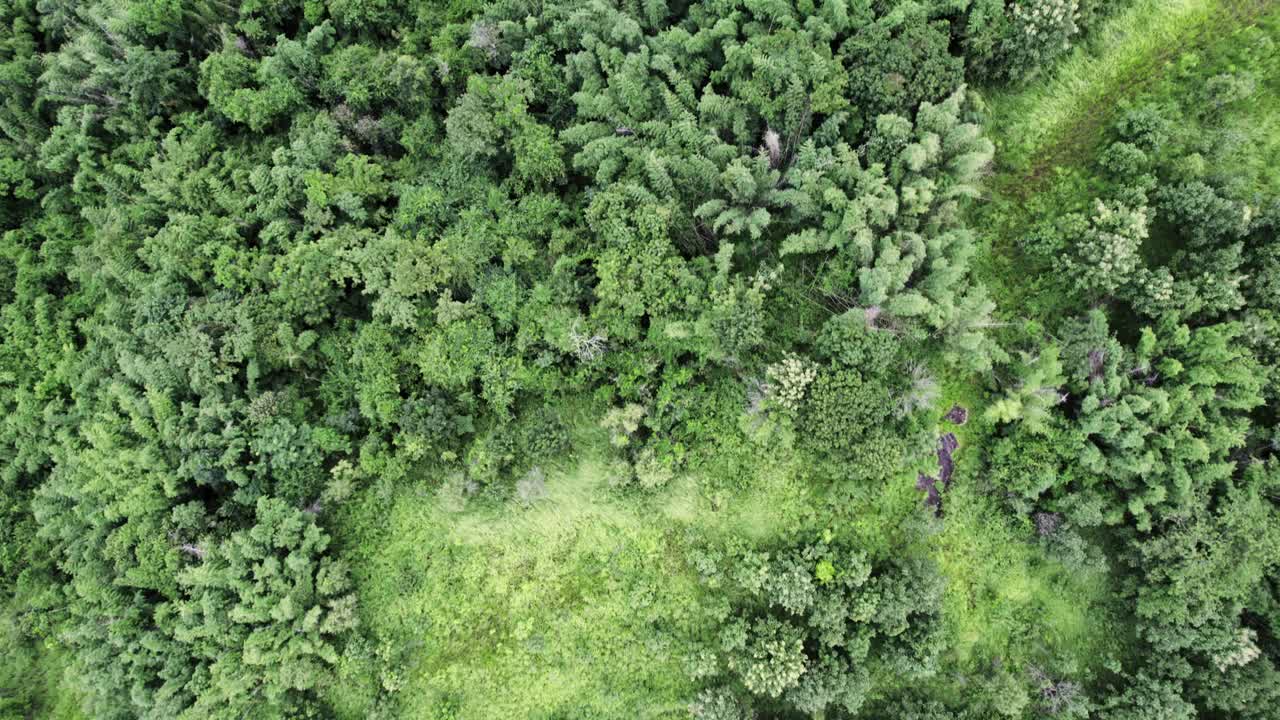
(810, 626)
(1162, 430)
(267, 269)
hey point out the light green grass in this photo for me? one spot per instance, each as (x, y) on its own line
(511, 612)
(586, 604)
(581, 605)
(1005, 600)
(1025, 119)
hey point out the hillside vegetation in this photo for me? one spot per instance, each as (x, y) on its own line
(708, 359)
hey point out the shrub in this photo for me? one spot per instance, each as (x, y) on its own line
(532, 487)
(805, 620)
(544, 436)
(1226, 89)
(1025, 466)
(1124, 159)
(851, 340)
(895, 71)
(1104, 248)
(843, 408)
(718, 704)
(490, 457)
(788, 380)
(1146, 127)
(1041, 30)
(652, 470)
(623, 423)
(1202, 213)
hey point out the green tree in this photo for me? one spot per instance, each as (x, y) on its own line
(266, 608)
(812, 625)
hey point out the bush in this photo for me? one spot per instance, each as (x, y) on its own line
(652, 470)
(1223, 90)
(896, 71)
(544, 436)
(1203, 214)
(623, 423)
(805, 621)
(1104, 248)
(1125, 160)
(1147, 127)
(843, 408)
(490, 457)
(851, 341)
(788, 380)
(1024, 466)
(1017, 41)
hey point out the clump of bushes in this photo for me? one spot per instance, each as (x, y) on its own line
(810, 625)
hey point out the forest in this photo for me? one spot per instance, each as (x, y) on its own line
(661, 359)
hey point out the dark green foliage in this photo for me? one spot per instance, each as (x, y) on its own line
(1155, 428)
(899, 68)
(1033, 390)
(1154, 445)
(812, 625)
(1018, 40)
(264, 611)
(260, 261)
(1027, 465)
(843, 408)
(1146, 698)
(1198, 576)
(853, 342)
(1164, 436)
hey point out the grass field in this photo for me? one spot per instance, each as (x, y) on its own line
(573, 606)
(580, 604)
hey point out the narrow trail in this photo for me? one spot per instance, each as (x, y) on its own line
(1076, 135)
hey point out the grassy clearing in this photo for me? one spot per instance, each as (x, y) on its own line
(1056, 120)
(508, 612)
(1247, 136)
(582, 604)
(1050, 135)
(585, 603)
(1007, 601)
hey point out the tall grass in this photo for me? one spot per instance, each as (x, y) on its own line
(1006, 599)
(580, 604)
(1024, 119)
